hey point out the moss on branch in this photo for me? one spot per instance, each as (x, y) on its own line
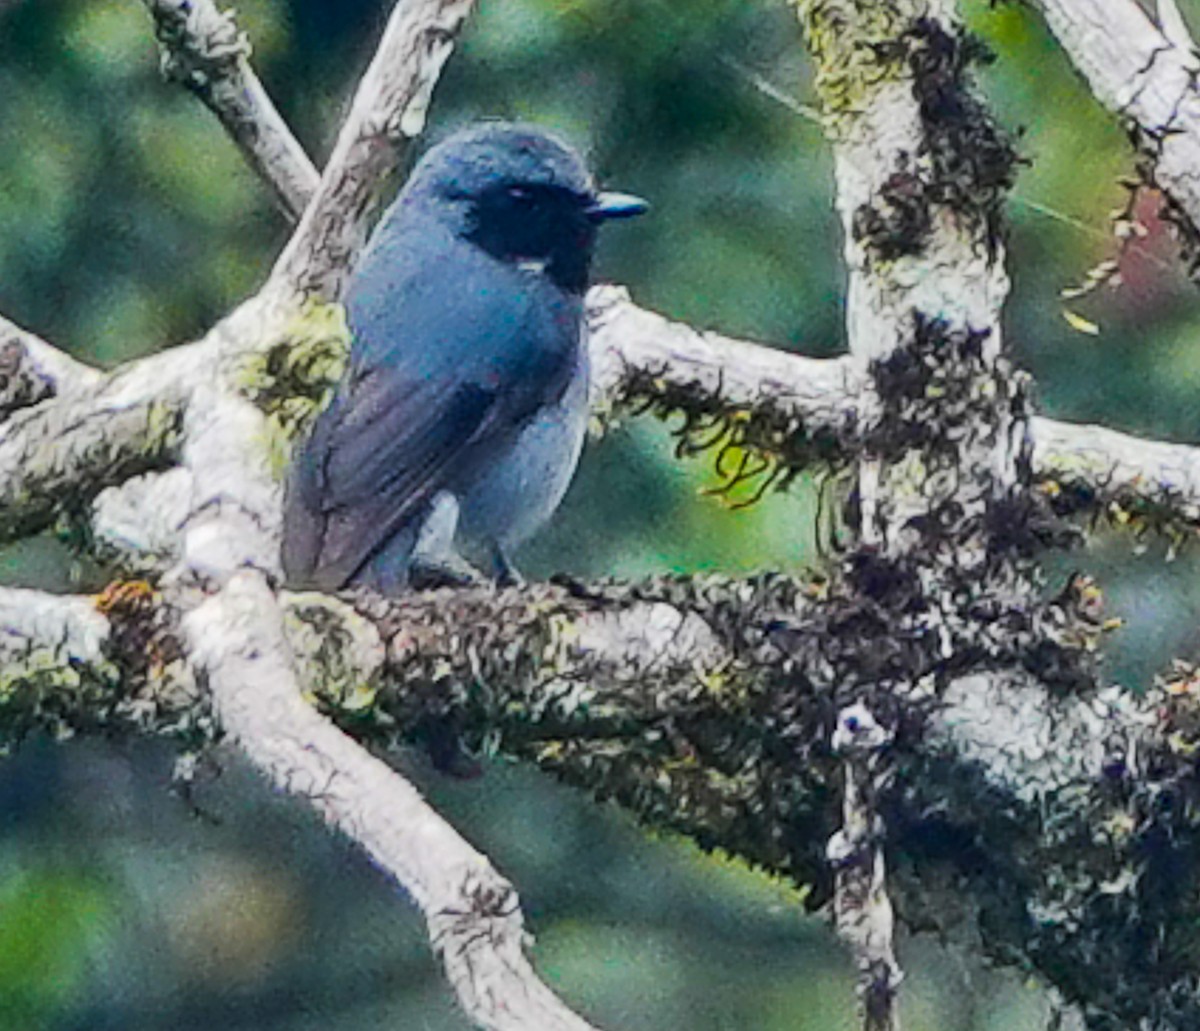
(704, 705)
(291, 377)
(108, 663)
(59, 455)
(758, 448)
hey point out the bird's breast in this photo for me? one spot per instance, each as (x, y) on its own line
(511, 498)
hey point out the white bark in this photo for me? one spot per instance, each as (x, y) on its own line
(65, 373)
(227, 509)
(99, 437)
(862, 909)
(1144, 72)
(1127, 473)
(205, 52)
(55, 633)
(625, 339)
(474, 919)
(387, 114)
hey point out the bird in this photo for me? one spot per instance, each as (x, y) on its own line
(456, 428)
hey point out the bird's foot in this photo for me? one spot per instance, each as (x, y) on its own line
(504, 573)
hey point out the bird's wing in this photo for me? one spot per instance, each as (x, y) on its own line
(414, 411)
(371, 462)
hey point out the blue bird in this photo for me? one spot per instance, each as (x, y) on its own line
(457, 427)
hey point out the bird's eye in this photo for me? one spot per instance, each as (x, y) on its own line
(520, 194)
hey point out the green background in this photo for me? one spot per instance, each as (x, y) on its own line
(128, 223)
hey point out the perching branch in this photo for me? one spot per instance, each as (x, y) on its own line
(474, 918)
(632, 691)
(233, 421)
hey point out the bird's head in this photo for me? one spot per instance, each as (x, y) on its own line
(522, 195)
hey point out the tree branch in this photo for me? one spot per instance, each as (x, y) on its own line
(54, 457)
(1131, 481)
(473, 914)
(57, 455)
(809, 406)
(703, 705)
(226, 504)
(387, 114)
(203, 50)
(862, 909)
(1145, 73)
(33, 370)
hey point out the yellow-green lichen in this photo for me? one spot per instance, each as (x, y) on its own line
(163, 430)
(852, 43)
(44, 686)
(339, 653)
(292, 379)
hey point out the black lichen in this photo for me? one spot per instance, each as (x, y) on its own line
(937, 391)
(755, 448)
(964, 161)
(899, 220)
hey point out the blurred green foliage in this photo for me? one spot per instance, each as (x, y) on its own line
(128, 223)
(48, 921)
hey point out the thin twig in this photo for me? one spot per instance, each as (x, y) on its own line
(388, 113)
(204, 51)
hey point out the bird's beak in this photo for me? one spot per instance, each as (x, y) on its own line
(605, 206)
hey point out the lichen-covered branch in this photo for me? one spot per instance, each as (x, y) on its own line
(475, 922)
(1147, 486)
(32, 369)
(630, 346)
(806, 411)
(270, 366)
(58, 455)
(1147, 74)
(55, 458)
(705, 706)
(921, 172)
(1020, 796)
(863, 911)
(112, 662)
(55, 673)
(203, 50)
(796, 411)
